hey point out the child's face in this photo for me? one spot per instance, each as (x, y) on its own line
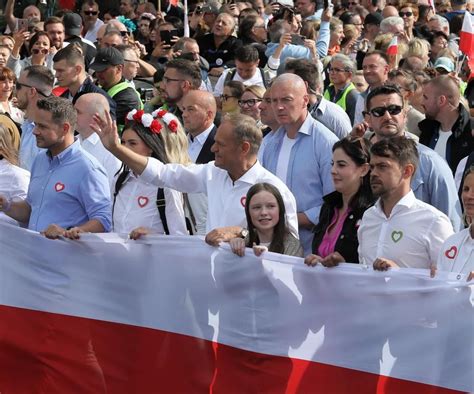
(264, 211)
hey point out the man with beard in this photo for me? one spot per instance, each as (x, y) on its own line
(399, 230)
(432, 181)
(35, 82)
(55, 29)
(180, 77)
(447, 127)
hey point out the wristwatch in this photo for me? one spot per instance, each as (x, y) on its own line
(243, 233)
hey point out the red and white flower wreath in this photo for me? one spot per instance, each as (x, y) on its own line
(151, 122)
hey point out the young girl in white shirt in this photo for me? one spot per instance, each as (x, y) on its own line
(135, 203)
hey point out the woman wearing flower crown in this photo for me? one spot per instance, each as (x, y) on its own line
(135, 203)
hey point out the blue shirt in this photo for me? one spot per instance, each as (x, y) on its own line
(28, 148)
(68, 190)
(309, 169)
(333, 117)
(433, 183)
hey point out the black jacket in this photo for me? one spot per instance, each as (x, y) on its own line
(347, 244)
(205, 156)
(460, 143)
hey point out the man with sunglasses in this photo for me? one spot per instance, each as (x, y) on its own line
(90, 18)
(433, 181)
(35, 82)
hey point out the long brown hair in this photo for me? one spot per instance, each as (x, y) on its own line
(280, 231)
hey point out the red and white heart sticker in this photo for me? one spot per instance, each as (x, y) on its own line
(142, 201)
(242, 201)
(59, 187)
(451, 252)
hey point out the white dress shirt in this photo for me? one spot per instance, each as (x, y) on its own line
(411, 236)
(14, 183)
(195, 145)
(226, 199)
(135, 206)
(93, 146)
(457, 253)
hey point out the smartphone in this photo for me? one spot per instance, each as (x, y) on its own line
(166, 36)
(296, 39)
(23, 24)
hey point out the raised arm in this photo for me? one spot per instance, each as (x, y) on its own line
(9, 17)
(106, 129)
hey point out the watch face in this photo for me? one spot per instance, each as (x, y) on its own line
(244, 232)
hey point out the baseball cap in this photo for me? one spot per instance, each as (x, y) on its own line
(106, 57)
(445, 63)
(373, 19)
(72, 24)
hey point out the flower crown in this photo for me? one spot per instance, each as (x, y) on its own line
(129, 24)
(151, 122)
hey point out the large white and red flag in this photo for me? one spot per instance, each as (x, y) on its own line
(174, 315)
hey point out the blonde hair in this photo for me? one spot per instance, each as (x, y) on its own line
(418, 47)
(256, 90)
(7, 146)
(176, 143)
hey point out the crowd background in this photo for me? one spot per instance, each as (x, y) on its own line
(317, 91)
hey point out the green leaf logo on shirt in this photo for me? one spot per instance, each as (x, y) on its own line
(397, 236)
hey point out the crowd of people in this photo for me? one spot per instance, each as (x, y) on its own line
(294, 128)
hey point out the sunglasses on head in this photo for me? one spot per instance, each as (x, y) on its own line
(37, 51)
(89, 13)
(378, 112)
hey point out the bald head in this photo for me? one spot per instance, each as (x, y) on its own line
(199, 111)
(86, 106)
(389, 10)
(290, 80)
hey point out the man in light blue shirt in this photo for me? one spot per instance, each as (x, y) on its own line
(69, 191)
(300, 152)
(34, 83)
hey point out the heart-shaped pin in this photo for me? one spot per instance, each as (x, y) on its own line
(59, 187)
(142, 201)
(242, 201)
(451, 252)
(397, 236)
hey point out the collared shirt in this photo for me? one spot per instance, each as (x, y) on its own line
(457, 253)
(68, 190)
(360, 107)
(111, 164)
(411, 236)
(332, 116)
(135, 206)
(28, 148)
(309, 170)
(14, 183)
(195, 144)
(226, 198)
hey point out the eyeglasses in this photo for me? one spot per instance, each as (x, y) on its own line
(131, 61)
(337, 70)
(378, 112)
(19, 85)
(407, 14)
(225, 97)
(249, 103)
(167, 80)
(36, 51)
(91, 13)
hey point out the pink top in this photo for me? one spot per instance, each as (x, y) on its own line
(329, 240)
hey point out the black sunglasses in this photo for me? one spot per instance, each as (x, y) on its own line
(91, 13)
(407, 13)
(124, 33)
(19, 85)
(380, 111)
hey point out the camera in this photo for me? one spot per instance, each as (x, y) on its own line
(146, 94)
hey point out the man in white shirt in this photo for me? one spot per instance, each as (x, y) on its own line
(246, 70)
(86, 107)
(90, 17)
(225, 181)
(199, 111)
(399, 231)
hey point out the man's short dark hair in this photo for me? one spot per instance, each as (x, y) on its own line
(73, 54)
(306, 70)
(247, 54)
(401, 149)
(187, 68)
(383, 90)
(52, 20)
(61, 110)
(41, 77)
(435, 34)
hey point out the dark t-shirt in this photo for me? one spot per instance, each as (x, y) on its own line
(218, 57)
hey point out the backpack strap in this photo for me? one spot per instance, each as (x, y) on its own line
(161, 205)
